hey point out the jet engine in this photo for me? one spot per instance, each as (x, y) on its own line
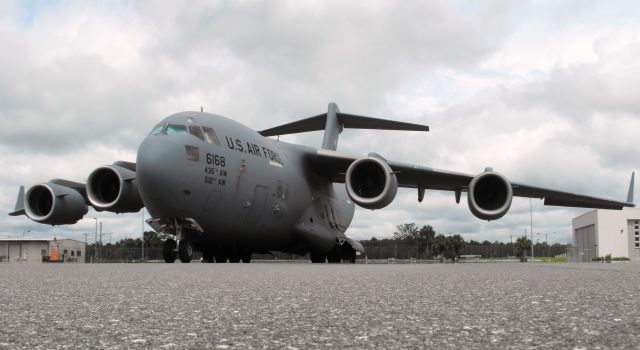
(53, 204)
(489, 196)
(114, 188)
(371, 183)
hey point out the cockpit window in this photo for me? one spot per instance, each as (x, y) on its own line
(196, 131)
(175, 129)
(210, 136)
(157, 129)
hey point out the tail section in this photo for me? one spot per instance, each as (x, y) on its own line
(332, 128)
(19, 209)
(333, 122)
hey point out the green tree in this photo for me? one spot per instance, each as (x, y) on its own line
(522, 245)
(439, 244)
(455, 243)
(425, 237)
(406, 232)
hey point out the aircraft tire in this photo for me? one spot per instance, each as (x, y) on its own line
(349, 257)
(333, 258)
(235, 257)
(185, 251)
(169, 251)
(207, 257)
(317, 258)
(246, 258)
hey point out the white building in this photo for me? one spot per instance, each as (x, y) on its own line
(601, 232)
(27, 249)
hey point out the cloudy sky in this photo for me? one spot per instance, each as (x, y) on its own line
(544, 92)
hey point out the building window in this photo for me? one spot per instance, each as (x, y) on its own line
(637, 244)
(79, 253)
(72, 252)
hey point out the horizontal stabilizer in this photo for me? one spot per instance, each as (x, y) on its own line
(19, 209)
(349, 121)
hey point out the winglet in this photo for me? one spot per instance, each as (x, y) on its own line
(631, 188)
(19, 209)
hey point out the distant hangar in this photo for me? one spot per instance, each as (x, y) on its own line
(27, 249)
(601, 232)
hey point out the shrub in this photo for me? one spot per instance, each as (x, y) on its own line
(620, 258)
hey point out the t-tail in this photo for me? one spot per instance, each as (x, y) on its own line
(334, 121)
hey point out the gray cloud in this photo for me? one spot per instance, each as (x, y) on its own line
(86, 81)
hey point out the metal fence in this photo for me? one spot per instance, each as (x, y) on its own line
(109, 254)
(578, 255)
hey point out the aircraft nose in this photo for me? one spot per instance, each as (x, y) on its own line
(158, 169)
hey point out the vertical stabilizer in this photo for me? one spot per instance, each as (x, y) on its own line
(631, 188)
(19, 209)
(332, 128)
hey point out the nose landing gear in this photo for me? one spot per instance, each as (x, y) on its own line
(181, 247)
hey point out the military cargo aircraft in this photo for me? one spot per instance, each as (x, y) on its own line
(228, 191)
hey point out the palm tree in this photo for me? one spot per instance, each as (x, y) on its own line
(522, 245)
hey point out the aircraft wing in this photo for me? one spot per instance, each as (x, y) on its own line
(333, 165)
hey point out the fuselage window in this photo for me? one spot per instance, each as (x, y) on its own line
(196, 131)
(210, 136)
(157, 129)
(175, 129)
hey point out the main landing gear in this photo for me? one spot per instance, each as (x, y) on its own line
(340, 254)
(228, 255)
(169, 252)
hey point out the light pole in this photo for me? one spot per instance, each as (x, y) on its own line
(531, 217)
(525, 239)
(95, 241)
(512, 247)
(142, 253)
(85, 246)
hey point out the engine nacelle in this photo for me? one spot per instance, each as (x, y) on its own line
(371, 183)
(489, 196)
(53, 204)
(114, 188)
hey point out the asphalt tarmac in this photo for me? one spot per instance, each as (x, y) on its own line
(305, 306)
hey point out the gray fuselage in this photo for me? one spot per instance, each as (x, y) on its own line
(242, 189)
